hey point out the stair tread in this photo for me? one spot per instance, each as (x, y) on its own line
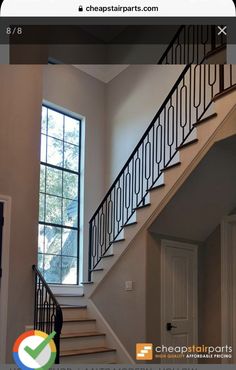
(96, 269)
(78, 320)
(157, 187)
(118, 240)
(108, 255)
(225, 92)
(82, 334)
(203, 120)
(131, 223)
(188, 143)
(68, 306)
(86, 351)
(142, 206)
(171, 166)
(68, 295)
(215, 51)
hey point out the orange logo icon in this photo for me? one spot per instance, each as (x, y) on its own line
(144, 351)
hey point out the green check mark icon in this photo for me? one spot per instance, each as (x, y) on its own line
(34, 353)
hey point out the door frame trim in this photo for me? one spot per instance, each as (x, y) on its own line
(6, 200)
(194, 248)
(228, 259)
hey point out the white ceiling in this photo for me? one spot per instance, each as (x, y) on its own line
(102, 72)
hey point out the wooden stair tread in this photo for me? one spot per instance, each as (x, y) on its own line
(187, 143)
(78, 320)
(131, 224)
(107, 256)
(86, 351)
(68, 295)
(155, 187)
(118, 240)
(206, 119)
(215, 51)
(65, 306)
(96, 269)
(142, 206)
(82, 334)
(225, 92)
(170, 166)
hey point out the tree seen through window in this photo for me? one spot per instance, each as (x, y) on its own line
(59, 197)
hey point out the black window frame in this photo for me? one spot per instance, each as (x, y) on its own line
(46, 165)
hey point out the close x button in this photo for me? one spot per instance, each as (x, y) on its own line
(222, 30)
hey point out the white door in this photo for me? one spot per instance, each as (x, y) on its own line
(179, 295)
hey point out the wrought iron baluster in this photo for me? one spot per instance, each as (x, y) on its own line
(192, 44)
(47, 311)
(173, 124)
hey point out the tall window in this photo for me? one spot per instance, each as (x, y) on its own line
(58, 247)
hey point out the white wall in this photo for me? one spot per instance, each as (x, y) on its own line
(69, 88)
(132, 100)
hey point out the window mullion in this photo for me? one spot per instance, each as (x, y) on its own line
(62, 209)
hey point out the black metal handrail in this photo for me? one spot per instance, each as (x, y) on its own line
(172, 126)
(193, 44)
(47, 311)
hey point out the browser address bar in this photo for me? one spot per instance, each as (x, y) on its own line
(118, 8)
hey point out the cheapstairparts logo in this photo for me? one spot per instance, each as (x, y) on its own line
(144, 351)
(35, 349)
(147, 351)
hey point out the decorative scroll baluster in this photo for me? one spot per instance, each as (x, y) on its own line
(47, 311)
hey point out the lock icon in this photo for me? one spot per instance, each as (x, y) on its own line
(80, 8)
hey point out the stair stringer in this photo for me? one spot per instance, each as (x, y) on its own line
(213, 129)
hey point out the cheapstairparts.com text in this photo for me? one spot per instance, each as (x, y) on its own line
(194, 352)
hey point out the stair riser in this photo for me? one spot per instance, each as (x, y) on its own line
(74, 313)
(81, 343)
(77, 327)
(96, 358)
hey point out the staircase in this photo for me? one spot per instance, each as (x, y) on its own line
(148, 173)
(209, 130)
(80, 327)
(81, 341)
(78, 339)
(183, 130)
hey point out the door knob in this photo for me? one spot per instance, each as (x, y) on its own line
(169, 326)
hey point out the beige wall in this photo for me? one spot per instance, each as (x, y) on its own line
(125, 310)
(136, 316)
(153, 289)
(210, 291)
(80, 93)
(20, 107)
(132, 100)
(22, 91)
